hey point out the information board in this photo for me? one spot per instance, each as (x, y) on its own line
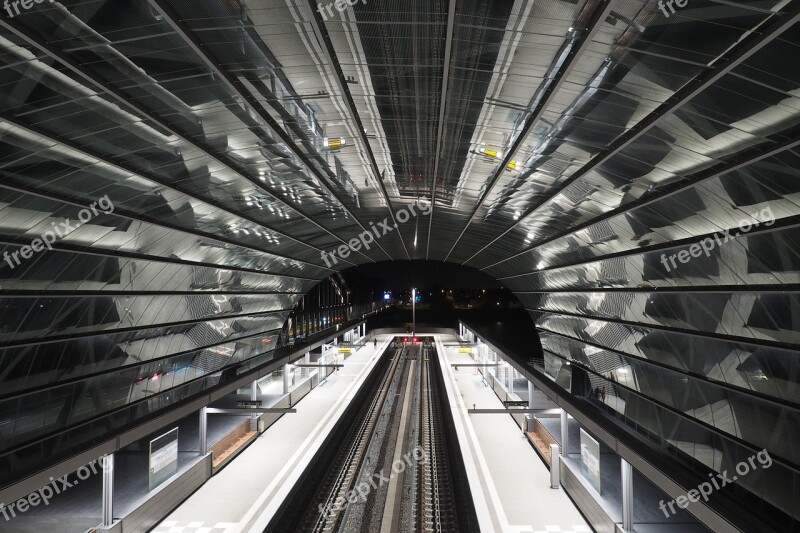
(163, 458)
(590, 460)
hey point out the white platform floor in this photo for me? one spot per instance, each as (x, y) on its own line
(512, 480)
(245, 494)
(508, 480)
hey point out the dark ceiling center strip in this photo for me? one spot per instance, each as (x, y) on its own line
(448, 52)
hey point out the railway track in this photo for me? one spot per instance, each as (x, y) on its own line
(391, 466)
(437, 508)
(345, 472)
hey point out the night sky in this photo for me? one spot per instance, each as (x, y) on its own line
(421, 274)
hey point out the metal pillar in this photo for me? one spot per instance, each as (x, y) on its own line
(108, 489)
(564, 433)
(202, 445)
(254, 397)
(531, 391)
(286, 378)
(627, 495)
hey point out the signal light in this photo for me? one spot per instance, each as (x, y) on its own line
(414, 339)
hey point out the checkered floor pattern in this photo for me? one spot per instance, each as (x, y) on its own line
(559, 529)
(193, 527)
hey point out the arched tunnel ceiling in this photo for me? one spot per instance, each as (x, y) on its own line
(571, 149)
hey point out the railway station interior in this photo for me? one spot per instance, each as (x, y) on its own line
(399, 266)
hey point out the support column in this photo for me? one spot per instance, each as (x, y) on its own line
(202, 444)
(531, 390)
(627, 495)
(286, 379)
(564, 433)
(254, 397)
(322, 372)
(108, 490)
(530, 419)
(484, 360)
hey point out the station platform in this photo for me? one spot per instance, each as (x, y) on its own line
(505, 473)
(513, 481)
(244, 495)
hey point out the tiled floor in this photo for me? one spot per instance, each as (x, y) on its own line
(559, 529)
(172, 526)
